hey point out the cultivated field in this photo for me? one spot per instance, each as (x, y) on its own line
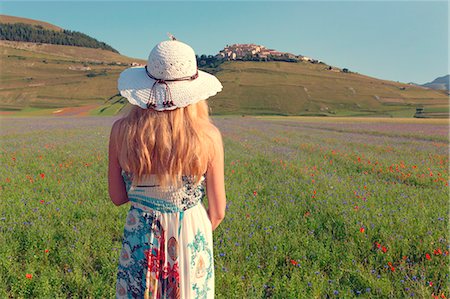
(317, 208)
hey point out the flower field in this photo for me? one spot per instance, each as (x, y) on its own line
(317, 208)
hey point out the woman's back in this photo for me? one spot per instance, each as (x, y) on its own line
(167, 246)
(149, 192)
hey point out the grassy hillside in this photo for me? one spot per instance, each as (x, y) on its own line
(13, 20)
(311, 89)
(37, 34)
(51, 77)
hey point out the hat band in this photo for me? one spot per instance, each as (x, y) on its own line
(168, 101)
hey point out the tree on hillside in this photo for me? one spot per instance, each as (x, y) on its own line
(37, 34)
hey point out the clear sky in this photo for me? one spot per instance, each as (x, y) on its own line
(404, 41)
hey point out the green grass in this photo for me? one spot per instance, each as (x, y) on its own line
(112, 107)
(299, 190)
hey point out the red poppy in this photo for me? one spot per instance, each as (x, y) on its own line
(42, 175)
(361, 229)
(29, 276)
(294, 262)
(255, 193)
(427, 256)
(384, 249)
(437, 251)
(46, 250)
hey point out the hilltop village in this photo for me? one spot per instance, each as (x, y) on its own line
(259, 53)
(253, 52)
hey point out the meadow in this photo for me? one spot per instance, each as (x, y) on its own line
(316, 208)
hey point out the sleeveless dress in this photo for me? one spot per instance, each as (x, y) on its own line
(167, 246)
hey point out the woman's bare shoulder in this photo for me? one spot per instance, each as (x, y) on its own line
(214, 133)
(118, 123)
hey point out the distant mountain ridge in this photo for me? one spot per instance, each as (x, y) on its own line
(440, 83)
(13, 29)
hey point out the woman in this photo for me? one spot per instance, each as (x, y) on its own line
(161, 155)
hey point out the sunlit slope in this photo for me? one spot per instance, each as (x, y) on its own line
(54, 76)
(12, 20)
(310, 89)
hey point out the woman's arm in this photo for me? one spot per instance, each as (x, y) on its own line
(116, 185)
(215, 184)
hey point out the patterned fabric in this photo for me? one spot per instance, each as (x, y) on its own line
(167, 244)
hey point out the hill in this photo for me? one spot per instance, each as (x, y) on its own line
(13, 20)
(314, 89)
(35, 32)
(47, 79)
(43, 76)
(440, 83)
(54, 77)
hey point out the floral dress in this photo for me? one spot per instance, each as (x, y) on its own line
(167, 243)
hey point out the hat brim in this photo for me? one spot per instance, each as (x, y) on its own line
(135, 85)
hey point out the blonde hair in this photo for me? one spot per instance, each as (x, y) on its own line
(169, 143)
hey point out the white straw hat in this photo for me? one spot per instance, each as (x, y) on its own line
(170, 79)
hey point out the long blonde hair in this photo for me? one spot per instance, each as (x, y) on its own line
(169, 143)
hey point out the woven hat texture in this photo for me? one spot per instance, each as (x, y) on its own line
(151, 87)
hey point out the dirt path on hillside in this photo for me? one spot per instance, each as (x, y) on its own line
(75, 111)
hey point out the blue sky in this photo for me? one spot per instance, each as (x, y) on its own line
(404, 41)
